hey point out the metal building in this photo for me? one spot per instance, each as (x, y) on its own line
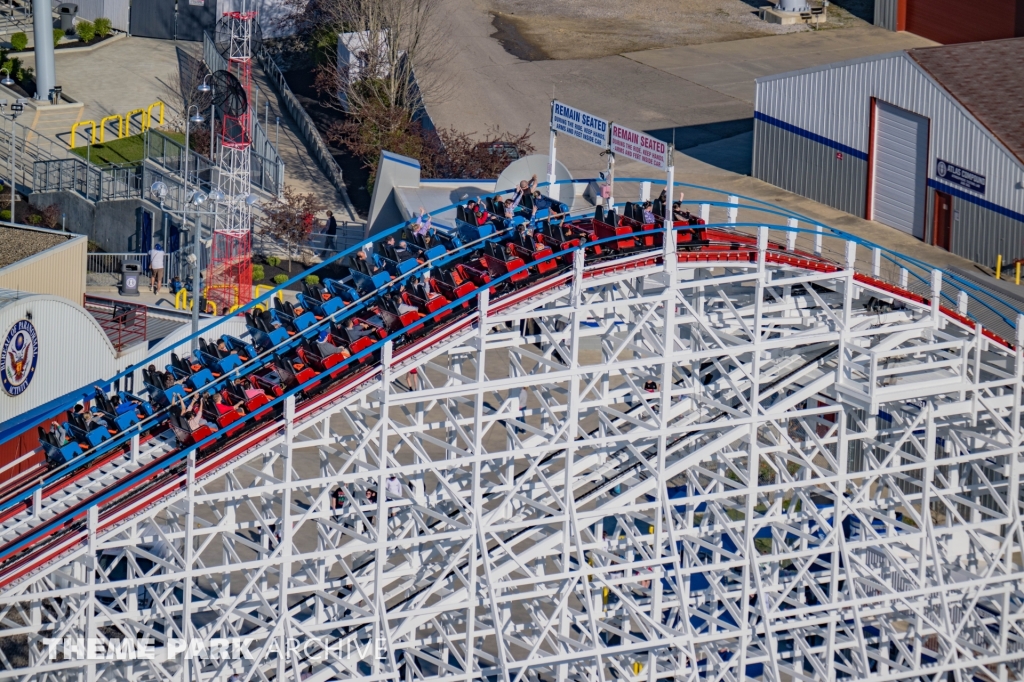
(928, 141)
(952, 21)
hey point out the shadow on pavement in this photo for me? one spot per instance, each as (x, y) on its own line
(725, 144)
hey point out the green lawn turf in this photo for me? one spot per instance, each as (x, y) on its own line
(126, 150)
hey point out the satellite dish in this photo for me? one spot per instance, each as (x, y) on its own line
(228, 94)
(536, 164)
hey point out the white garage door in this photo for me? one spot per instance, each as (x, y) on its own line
(900, 162)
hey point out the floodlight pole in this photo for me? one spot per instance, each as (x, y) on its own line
(195, 237)
(16, 109)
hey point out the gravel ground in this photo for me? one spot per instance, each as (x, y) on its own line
(16, 244)
(586, 29)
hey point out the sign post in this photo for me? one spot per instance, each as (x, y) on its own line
(578, 124)
(611, 180)
(670, 185)
(552, 150)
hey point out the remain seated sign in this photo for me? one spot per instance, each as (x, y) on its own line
(639, 147)
(579, 124)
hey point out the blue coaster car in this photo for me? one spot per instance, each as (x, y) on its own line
(343, 291)
(471, 233)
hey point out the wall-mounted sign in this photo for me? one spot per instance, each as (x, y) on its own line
(579, 124)
(639, 147)
(20, 353)
(944, 170)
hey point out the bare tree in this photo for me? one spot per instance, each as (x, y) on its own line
(442, 153)
(392, 37)
(291, 218)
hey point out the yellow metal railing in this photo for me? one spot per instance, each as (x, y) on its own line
(124, 123)
(103, 126)
(143, 122)
(75, 127)
(259, 290)
(149, 113)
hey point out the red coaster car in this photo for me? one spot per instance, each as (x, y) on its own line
(536, 255)
(453, 292)
(561, 243)
(436, 302)
(497, 267)
(475, 273)
(604, 231)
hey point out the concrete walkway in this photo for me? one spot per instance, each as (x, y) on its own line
(702, 92)
(301, 169)
(129, 74)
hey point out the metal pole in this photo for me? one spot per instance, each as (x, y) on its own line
(42, 26)
(552, 154)
(13, 129)
(611, 180)
(195, 237)
(277, 133)
(196, 290)
(213, 120)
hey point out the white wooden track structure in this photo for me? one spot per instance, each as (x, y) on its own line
(822, 482)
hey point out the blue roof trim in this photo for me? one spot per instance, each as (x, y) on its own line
(404, 160)
(960, 194)
(838, 146)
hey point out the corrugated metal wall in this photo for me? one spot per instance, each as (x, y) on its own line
(956, 21)
(809, 168)
(835, 102)
(886, 13)
(59, 271)
(833, 105)
(978, 233)
(115, 10)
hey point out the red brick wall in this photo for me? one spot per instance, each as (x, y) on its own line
(957, 21)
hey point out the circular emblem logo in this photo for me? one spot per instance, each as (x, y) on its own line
(942, 169)
(18, 362)
(129, 282)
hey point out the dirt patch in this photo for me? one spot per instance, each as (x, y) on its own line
(588, 29)
(508, 33)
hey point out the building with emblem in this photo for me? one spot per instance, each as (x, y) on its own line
(55, 336)
(928, 141)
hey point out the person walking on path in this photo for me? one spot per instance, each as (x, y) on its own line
(331, 234)
(156, 268)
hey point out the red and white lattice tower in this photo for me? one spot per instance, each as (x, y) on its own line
(229, 281)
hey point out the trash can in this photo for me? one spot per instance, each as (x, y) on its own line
(131, 271)
(67, 11)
